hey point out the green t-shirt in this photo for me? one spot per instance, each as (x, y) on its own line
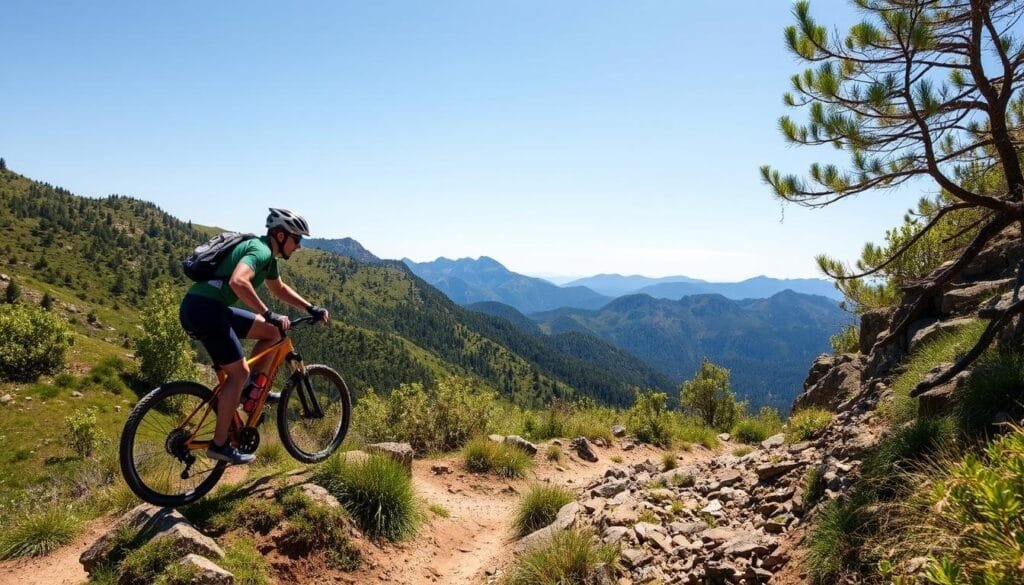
(256, 253)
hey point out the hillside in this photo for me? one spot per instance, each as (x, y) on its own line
(766, 343)
(101, 256)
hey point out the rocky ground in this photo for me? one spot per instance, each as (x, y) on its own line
(473, 545)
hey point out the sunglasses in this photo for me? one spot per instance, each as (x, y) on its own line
(298, 239)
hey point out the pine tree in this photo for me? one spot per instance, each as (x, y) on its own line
(3, 164)
(47, 302)
(920, 89)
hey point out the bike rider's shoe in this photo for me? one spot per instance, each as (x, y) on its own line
(228, 454)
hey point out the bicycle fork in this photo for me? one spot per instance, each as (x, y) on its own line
(303, 388)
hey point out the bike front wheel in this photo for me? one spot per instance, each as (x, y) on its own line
(314, 413)
(156, 458)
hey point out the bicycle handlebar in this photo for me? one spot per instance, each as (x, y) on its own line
(310, 319)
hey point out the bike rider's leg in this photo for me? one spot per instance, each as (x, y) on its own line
(266, 334)
(216, 326)
(227, 400)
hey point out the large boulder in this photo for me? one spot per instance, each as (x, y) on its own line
(566, 518)
(151, 522)
(522, 444)
(205, 572)
(926, 330)
(872, 324)
(400, 452)
(584, 449)
(841, 379)
(966, 298)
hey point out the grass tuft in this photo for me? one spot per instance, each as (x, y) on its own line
(377, 493)
(806, 424)
(554, 453)
(837, 538)
(38, 533)
(482, 455)
(146, 563)
(539, 506)
(572, 556)
(669, 461)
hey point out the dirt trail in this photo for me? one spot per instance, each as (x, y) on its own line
(474, 541)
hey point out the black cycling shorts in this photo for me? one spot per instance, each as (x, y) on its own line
(219, 328)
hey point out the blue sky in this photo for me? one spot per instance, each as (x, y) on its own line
(560, 138)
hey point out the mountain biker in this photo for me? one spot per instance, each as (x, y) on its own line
(208, 315)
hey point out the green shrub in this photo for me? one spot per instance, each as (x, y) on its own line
(65, 380)
(440, 420)
(246, 563)
(806, 424)
(32, 342)
(693, 430)
(539, 506)
(709, 397)
(82, 432)
(164, 350)
(38, 533)
(551, 423)
(377, 493)
(592, 422)
(461, 410)
(980, 519)
(846, 341)
(649, 420)
(44, 391)
(571, 557)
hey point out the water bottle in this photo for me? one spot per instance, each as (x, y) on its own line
(255, 392)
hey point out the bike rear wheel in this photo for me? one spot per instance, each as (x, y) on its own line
(314, 412)
(155, 458)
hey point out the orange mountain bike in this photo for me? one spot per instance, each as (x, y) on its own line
(163, 445)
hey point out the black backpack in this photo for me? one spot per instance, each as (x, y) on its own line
(202, 264)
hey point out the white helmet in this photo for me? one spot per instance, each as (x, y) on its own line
(289, 221)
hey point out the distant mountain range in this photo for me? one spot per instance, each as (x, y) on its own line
(766, 343)
(467, 281)
(764, 330)
(616, 285)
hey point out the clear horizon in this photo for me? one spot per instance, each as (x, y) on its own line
(572, 139)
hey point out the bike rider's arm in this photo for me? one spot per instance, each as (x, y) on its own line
(288, 295)
(241, 283)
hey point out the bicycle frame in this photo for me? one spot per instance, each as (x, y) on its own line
(284, 352)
